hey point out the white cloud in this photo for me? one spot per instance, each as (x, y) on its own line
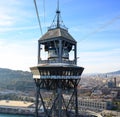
(6, 20)
(8, 8)
(103, 61)
(19, 15)
(7, 29)
(20, 55)
(101, 24)
(100, 67)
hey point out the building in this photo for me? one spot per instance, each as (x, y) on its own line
(16, 107)
(58, 73)
(94, 104)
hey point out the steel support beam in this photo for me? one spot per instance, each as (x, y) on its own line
(59, 99)
(37, 97)
(58, 105)
(76, 99)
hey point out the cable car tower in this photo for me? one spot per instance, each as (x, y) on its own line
(58, 75)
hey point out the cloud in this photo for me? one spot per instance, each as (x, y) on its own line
(7, 14)
(18, 55)
(96, 26)
(5, 20)
(103, 61)
(6, 29)
(19, 51)
(17, 15)
(15, 12)
(100, 68)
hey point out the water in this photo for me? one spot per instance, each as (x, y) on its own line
(10, 115)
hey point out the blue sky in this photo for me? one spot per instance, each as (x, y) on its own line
(95, 24)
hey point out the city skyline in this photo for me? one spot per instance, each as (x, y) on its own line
(94, 24)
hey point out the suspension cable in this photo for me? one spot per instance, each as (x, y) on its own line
(100, 28)
(44, 12)
(38, 17)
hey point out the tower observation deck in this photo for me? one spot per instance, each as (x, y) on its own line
(58, 75)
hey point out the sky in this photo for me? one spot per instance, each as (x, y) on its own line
(94, 24)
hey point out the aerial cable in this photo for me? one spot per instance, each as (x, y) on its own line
(44, 12)
(38, 17)
(102, 27)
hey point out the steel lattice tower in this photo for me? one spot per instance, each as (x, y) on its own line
(57, 76)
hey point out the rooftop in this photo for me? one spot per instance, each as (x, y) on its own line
(55, 33)
(15, 103)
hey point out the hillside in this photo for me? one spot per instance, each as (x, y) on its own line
(114, 73)
(15, 79)
(8, 73)
(23, 81)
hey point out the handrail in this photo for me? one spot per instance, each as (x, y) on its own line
(72, 62)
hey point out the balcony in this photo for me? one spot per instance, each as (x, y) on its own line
(71, 62)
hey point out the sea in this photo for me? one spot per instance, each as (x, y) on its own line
(10, 115)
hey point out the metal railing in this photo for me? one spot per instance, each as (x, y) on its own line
(72, 62)
(61, 26)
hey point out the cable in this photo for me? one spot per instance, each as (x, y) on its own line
(102, 27)
(38, 17)
(44, 12)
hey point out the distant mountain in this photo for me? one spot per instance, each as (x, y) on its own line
(8, 73)
(15, 79)
(114, 73)
(102, 75)
(23, 81)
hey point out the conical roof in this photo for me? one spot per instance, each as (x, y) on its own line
(55, 33)
(57, 30)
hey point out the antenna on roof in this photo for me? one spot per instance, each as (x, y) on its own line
(57, 21)
(57, 4)
(58, 14)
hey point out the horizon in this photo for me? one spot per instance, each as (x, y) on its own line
(95, 25)
(81, 75)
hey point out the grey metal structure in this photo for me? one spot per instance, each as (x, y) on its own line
(58, 75)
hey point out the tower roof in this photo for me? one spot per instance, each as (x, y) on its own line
(55, 33)
(57, 29)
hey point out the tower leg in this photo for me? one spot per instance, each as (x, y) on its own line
(37, 98)
(59, 99)
(76, 99)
